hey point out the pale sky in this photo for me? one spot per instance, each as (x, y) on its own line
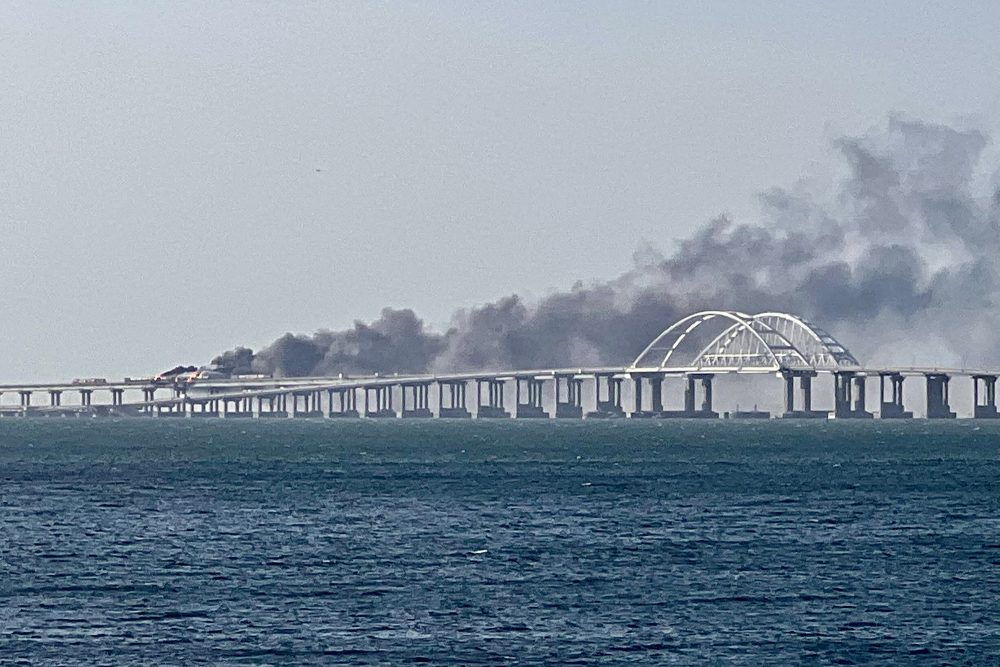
(179, 178)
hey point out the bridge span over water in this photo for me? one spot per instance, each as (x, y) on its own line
(699, 349)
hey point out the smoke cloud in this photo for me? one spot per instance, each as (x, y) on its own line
(897, 258)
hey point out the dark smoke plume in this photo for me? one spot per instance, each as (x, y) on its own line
(899, 259)
(396, 342)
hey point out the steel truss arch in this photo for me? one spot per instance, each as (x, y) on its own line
(765, 342)
(819, 347)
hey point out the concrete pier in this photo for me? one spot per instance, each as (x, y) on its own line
(849, 396)
(307, 403)
(456, 405)
(572, 407)
(529, 401)
(276, 406)
(891, 406)
(984, 397)
(199, 408)
(611, 405)
(178, 408)
(148, 396)
(494, 409)
(692, 408)
(805, 385)
(381, 407)
(237, 408)
(418, 405)
(937, 396)
(346, 405)
(655, 381)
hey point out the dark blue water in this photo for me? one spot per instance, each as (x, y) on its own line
(297, 542)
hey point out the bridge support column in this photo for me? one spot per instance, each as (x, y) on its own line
(382, 408)
(198, 407)
(849, 396)
(532, 409)
(346, 405)
(281, 405)
(692, 408)
(307, 403)
(984, 402)
(55, 398)
(656, 396)
(456, 405)
(86, 397)
(25, 401)
(572, 407)
(276, 406)
(148, 395)
(174, 409)
(891, 405)
(419, 404)
(234, 407)
(612, 405)
(937, 396)
(706, 390)
(860, 396)
(495, 407)
(805, 384)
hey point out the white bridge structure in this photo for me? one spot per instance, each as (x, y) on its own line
(723, 341)
(698, 348)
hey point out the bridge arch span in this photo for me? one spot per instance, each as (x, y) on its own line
(732, 341)
(820, 349)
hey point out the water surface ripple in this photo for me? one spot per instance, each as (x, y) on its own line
(362, 542)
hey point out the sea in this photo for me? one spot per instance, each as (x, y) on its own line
(396, 542)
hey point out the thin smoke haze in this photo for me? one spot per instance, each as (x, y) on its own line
(902, 251)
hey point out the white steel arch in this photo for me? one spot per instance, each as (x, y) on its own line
(749, 343)
(739, 346)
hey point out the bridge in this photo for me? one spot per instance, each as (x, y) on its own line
(698, 350)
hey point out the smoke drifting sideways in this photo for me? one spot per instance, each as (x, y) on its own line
(897, 257)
